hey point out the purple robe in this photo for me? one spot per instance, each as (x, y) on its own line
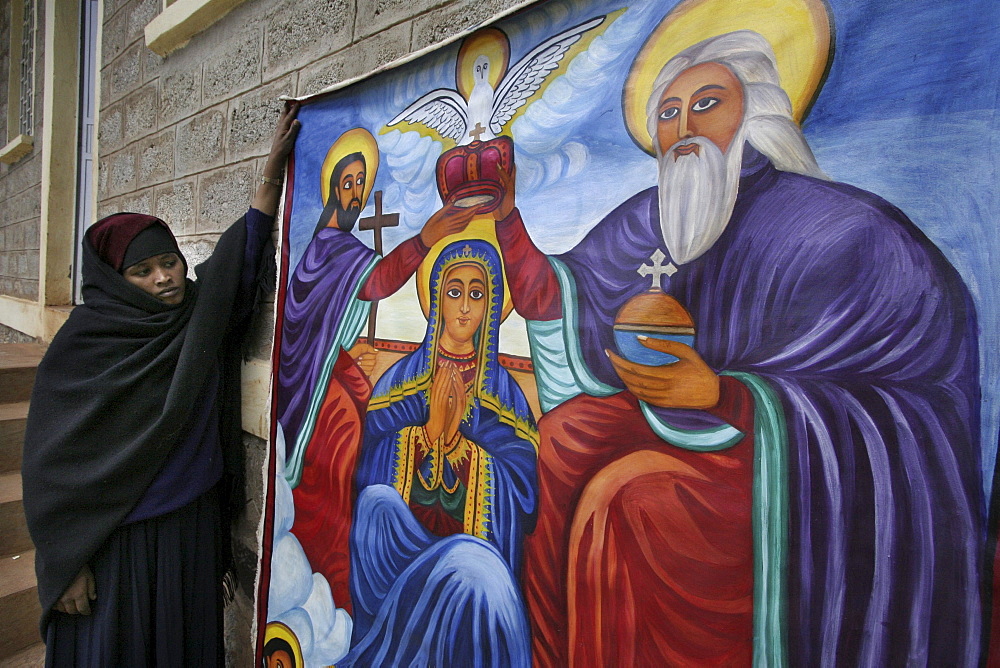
(321, 315)
(868, 336)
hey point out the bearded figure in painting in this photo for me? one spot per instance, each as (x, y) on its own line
(803, 483)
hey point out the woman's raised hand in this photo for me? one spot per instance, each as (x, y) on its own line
(265, 199)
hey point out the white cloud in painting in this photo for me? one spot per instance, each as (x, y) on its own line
(298, 597)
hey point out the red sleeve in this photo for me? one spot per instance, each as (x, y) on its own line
(390, 274)
(533, 285)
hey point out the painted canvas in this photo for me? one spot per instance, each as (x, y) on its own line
(644, 334)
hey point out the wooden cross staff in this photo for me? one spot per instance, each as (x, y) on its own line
(377, 222)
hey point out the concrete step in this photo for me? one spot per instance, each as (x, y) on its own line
(18, 362)
(29, 657)
(14, 537)
(12, 419)
(19, 608)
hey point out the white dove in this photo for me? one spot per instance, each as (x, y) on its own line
(487, 110)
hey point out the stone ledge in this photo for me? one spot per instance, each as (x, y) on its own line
(177, 24)
(18, 147)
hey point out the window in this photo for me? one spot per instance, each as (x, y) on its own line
(20, 82)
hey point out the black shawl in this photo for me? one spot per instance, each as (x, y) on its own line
(112, 397)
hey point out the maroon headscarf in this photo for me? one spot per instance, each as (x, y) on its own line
(111, 236)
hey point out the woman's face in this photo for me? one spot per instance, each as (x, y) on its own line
(463, 303)
(161, 276)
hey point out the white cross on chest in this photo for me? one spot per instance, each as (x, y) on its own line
(658, 269)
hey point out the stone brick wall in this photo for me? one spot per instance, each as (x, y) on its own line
(20, 183)
(184, 137)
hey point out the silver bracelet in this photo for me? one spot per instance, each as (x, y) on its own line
(273, 182)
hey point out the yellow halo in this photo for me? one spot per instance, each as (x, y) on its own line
(488, 42)
(356, 140)
(481, 229)
(279, 630)
(799, 31)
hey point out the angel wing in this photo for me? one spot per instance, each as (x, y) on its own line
(442, 110)
(526, 77)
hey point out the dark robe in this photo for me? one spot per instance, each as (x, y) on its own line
(117, 396)
(832, 300)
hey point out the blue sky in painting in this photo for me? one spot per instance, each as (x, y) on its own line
(908, 111)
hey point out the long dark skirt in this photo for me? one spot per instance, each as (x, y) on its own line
(158, 596)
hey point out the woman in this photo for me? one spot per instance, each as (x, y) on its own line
(133, 419)
(447, 487)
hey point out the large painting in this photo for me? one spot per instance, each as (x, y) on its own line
(643, 334)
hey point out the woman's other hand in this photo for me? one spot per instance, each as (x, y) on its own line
(77, 597)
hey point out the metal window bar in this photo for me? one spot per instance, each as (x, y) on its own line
(27, 115)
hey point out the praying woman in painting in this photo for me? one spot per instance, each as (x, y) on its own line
(132, 452)
(447, 486)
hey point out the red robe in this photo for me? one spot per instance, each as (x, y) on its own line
(643, 553)
(324, 498)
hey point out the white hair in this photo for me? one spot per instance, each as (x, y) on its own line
(767, 116)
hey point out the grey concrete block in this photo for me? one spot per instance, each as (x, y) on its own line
(199, 142)
(32, 256)
(327, 72)
(174, 203)
(107, 207)
(26, 173)
(374, 16)
(124, 74)
(180, 95)
(255, 455)
(139, 202)
(358, 59)
(103, 169)
(32, 234)
(224, 196)
(252, 118)
(25, 205)
(139, 13)
(385, 47)
(140, 113)
(234, 68)
(298, 32)
(113, 37)
(439, 25)
(15, 240)
(10, 335)
(196, 250)
(156, 158)
(24, 289)
(152, 64)
(110, 134)
(121, 172)
(239, 638)
(112, 6)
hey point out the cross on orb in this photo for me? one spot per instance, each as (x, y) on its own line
(477, 131)
(377, 222)
(658, 269)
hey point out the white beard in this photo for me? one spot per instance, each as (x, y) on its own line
(697, 195)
